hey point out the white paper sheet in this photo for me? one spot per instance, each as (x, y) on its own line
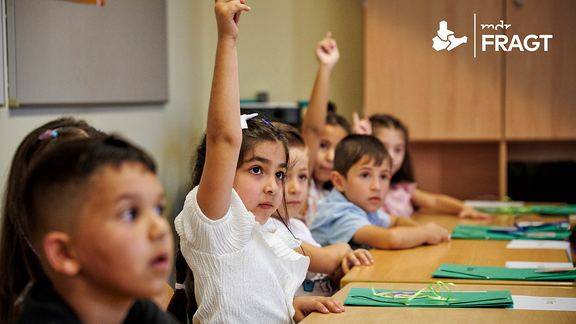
(538, 244)
(529, 224)
(493, 203)
(544, 303)
(539, 265)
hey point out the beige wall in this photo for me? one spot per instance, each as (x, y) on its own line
(275, 52)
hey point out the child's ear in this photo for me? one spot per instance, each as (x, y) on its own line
(59, 253)
(338, 180)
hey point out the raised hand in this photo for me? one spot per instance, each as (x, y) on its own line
(228, 16)
(361, 126)
(327, 51)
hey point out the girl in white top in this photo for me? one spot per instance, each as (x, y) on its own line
(242, 273)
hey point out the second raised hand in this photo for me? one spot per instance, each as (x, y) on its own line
(327, 51)
(228, 16)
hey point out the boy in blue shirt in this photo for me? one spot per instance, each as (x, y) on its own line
(352, 212)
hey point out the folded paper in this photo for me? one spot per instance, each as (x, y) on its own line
(550, 232)
(365, 297)
(498, 273)
(534, 209)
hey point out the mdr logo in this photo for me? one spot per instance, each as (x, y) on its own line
(491, 38)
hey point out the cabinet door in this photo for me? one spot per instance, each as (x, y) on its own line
(440, 95)
(541, 85)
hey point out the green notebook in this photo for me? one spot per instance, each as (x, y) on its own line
(365, 297)
(550, 232)
(499, 273)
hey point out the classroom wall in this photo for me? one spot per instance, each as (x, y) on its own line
(275, 52)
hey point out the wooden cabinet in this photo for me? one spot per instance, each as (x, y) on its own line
(464, 107)
(541, 85)
(440, 95)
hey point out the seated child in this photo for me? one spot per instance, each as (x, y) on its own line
(91, 232)
(38, 141)
(242, 273)
(336, 259)
(403, 192)
(351, 213)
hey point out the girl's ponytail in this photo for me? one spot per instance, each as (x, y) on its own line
(20, 266)
(180, 305)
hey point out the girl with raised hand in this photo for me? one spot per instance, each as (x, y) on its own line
(93, 239)
(242, 272)
(322, 129)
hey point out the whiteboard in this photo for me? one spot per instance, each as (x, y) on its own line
(69, 53)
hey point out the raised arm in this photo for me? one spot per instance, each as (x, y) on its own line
(313, 124)
(223, 131)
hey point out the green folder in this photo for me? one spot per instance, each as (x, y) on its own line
(498, 273)
(365, 297)
(534, 209)
(551, 232)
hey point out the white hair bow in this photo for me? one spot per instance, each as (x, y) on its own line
(244, 118)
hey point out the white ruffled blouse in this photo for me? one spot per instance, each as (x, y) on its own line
(243, 273)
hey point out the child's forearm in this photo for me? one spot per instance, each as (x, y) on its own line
(437, 202)
(401, 221)
(315, 118)
(395, 238)
(326, 259)
(447, 204)
(405, 221)
(405, 237)
(224, 107)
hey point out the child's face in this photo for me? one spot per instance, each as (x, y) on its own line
(395, 143)
(366, 184)
(258, 180)
(297, 181)
(124, 243)
(332, 135)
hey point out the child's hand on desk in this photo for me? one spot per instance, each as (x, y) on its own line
(327, 51)
(436, 234)
(471, 213)
(356, 258)
(304, 305)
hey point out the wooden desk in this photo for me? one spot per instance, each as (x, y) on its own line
(416, 264)
(359, 314)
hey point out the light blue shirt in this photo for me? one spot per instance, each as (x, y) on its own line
(338, 220)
